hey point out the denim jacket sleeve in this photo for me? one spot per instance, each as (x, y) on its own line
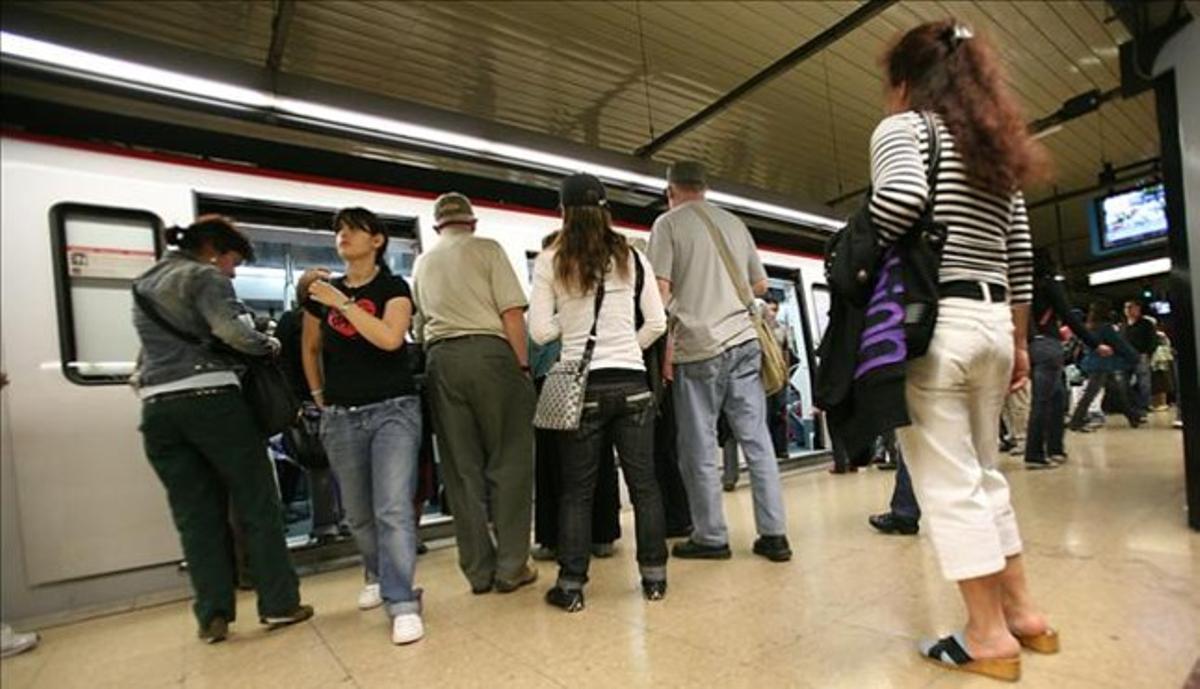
(217, 303)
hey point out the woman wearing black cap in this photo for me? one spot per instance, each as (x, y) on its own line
(583, 290)
(357, 366)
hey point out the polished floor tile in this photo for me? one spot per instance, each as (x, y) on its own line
(1107, 549)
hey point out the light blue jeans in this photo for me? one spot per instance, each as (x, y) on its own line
(729, 382)
(373, 450)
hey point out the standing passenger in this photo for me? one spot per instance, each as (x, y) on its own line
(197, 429)
(358, 372)
(1140, 333)
(979, 350)
(583, 293)
(471, 315)
(717, 364)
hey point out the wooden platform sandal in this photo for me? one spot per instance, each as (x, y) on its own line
(950, 652)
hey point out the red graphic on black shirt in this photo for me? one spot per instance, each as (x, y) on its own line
(337, 320)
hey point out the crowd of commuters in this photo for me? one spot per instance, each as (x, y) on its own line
(672, 372)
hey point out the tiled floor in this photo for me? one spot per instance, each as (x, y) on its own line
(1109, 556)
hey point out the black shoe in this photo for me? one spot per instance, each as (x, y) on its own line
(679, 532)
(691, 550)
(654, 590)
(774, 548)
(889, 523)
(300, 614)
(215, 631)
(1038, 464)
(480, 590)
(887, 466)
(571, 601)
(1080, 429)
(729, 487)
(422, 549)
(1135, 421)
(603, 550)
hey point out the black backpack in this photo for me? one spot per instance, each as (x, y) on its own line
(851, 256)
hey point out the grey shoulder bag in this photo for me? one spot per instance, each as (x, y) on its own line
(560, 405)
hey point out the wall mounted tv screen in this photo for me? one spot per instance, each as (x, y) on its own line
(1130, 219)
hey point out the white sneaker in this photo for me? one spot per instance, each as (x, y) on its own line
(12, 643)
(407, 628)
(370, 597)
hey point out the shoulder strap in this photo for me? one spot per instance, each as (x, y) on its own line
(639, 284)
(152, 313)
(742, 286)
(590, 347)
(935, 156)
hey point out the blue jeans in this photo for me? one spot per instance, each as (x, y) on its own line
(1045, 433)
(904, 501)
(373, 450)
(729, 382)
(1139, 391)
(621, 413)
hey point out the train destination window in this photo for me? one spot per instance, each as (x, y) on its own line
(98, 251)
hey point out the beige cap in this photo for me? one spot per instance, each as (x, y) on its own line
(452, 209)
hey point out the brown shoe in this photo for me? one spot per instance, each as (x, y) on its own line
(525, 577)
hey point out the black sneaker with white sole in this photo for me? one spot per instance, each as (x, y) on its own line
(654, 590)
(691, 550)
(774, 548)
(215, 631)
(569, 600)
(300, 614)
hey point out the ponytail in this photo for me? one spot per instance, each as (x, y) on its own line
(215, 231)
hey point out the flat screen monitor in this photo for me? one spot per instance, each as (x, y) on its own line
(1130, 219)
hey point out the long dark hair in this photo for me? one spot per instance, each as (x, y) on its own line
(952, 71)
(216, 231)
(586, 244)
(365, 220)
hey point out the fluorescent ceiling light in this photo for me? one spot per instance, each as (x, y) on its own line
(184, 85)
(1130, 272)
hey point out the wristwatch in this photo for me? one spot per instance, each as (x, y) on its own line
(346, 305)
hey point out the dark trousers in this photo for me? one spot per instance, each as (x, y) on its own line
(904, 501)
(777, 421)
(482, 415)
(208, 453)
(666, 467)
(606, 510)
(623, 410)
(1044, 436)
(1097, 382)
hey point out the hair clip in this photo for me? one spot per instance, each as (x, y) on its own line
(956, 34)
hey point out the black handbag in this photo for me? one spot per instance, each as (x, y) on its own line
(265, 387)
(302, 442)
(654, 355)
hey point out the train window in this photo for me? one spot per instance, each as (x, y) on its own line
(98, 251)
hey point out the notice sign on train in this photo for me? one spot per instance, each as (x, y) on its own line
(107, 262)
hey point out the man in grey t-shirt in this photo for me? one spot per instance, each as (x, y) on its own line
(717, 363)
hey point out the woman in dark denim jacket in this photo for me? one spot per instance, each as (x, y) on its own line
(198, 432)
(358, 369)
(589, 256)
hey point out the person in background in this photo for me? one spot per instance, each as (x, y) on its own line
(471, 318)
(198, 432)
(358, 372)
(1140, 332)
(584, 294)
(904, 515)
(1100, 368)
(979, 349)
(1044, 436)
(777, 403)
(717, 363)
(547, 480)
(729, 455)
(1162, 364)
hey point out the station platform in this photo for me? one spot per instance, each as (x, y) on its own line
(1109, 556)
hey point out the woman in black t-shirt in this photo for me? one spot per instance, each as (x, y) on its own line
(355, 361)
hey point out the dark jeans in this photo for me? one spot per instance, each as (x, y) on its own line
(207, 452)
(1044, 436)
(904, 501)
(623, 407)
(606, 510)
(777, 421)
(666, 467)
(1096, 383)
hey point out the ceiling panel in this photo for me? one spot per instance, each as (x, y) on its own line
(615, 75)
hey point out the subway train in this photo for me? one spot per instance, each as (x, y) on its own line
(80, 220)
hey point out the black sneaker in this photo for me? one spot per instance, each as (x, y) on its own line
(890, 523)
(654, 590)
(215, 631)
(571, 601)
(774, 548)
(480, 590)
(691, 550)
(300, 614)
(1038, 464)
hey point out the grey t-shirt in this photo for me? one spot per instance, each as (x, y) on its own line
(708, 315)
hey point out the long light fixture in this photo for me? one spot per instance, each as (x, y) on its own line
(1131, 271)
(145, 77)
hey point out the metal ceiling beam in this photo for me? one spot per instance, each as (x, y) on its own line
(281, 23)
(864, 12)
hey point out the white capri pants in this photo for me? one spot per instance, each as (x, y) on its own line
(955, 393)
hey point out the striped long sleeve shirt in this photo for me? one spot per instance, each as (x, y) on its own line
(989, 238)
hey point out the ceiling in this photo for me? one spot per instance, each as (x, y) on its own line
(615, 75)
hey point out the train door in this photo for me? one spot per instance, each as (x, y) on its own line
(799, 421)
